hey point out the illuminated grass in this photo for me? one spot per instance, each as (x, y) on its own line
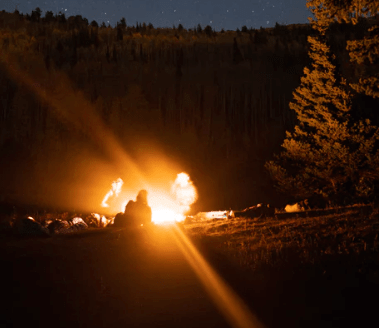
(324, 242)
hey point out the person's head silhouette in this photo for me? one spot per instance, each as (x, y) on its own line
(142, 196)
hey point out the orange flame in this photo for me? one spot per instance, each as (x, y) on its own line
(115, 190)
(170, 208)
(184, 190)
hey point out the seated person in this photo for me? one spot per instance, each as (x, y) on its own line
(136, 212)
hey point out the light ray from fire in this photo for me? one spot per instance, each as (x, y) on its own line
(73, 108)
(227, 301)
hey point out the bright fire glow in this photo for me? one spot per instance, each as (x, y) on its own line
(115, 190)
(165, 215)
(184, 191)
(166, 206)
(170, 208)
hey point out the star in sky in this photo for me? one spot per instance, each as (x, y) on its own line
(225, 14)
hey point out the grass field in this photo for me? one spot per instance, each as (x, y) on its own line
(291, 271)
(327, 242)
(316, 271)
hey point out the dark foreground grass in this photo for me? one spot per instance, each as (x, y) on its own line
(101, 278)
(311, 272)
(291, 272)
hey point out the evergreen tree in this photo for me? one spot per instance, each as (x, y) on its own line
(114, 54)
(328, 152)
(237, 55)
(108, 55)
(208, 30)
(61, 18)
(366, 51)
(120, 34)
(36, 14)
(144, 27)
(123, 22)
(49, 17)
(363, 51)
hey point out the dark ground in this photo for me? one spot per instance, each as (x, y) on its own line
(139, 278)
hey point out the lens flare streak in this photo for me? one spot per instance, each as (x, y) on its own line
(227, 301)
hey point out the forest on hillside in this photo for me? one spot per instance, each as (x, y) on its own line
(214, 103)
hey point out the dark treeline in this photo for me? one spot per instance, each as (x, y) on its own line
(217, 103)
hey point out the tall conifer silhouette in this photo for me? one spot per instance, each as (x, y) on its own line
(328, 153)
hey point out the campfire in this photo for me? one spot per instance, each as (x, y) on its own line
(167, 206)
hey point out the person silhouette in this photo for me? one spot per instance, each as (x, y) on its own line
(136, 213)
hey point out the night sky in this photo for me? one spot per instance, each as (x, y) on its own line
(226, 14)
